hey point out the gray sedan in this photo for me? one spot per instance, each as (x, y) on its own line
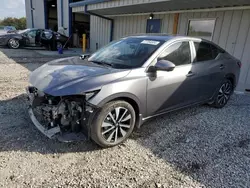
(105, 96)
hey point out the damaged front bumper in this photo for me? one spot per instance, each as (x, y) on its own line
(65, 119)
(51, 133)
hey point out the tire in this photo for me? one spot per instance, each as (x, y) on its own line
(14, 43)
(223, 94)
(108, 129)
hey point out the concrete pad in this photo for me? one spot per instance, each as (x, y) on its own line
(67, 52)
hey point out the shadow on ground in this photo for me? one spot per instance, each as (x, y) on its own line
(210, 145)
(28, 56)
(19, 134)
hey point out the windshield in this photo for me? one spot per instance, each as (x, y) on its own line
(126, 53)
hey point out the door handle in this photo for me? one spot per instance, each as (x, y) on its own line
(190, 73)
(222, 66)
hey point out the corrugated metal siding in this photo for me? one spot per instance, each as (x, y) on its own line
(232, 32)
(123, 26)
(99, 32)
(65, 15)
(28, 14)
(38, 14)
(128, 25)
(78, 9)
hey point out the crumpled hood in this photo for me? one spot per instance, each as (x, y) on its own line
(72, 76)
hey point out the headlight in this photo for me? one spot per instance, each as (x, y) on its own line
(1, 37)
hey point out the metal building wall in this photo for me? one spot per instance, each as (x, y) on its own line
(38, 13)
(63, 14)
(232, 32)
(28, 14)
(123, 26)
(128, 25)
(99, 32)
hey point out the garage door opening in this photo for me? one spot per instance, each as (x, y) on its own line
(80, 26)
(51, 15)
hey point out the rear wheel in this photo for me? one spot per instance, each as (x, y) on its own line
(113, 124)
(14, 43)
(223, 94)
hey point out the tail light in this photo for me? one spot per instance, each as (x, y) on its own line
(239, 64)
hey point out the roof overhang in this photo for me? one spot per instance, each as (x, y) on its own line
(159, 6)
(87, 2)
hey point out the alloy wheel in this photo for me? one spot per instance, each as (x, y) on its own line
(116, 125)
(14, 43)
(224, 93)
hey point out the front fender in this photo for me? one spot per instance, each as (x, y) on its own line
(121, 95)
(133, 87)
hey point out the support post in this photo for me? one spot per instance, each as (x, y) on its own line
(176, 21)
(84, 43)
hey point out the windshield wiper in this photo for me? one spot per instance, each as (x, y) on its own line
(102, 63)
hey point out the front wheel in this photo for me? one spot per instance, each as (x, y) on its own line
(223, 94)
(113, 124)
(14, 43)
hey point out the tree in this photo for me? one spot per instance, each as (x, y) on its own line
(18, 23)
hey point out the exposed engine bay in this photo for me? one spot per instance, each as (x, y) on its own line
(57, 116)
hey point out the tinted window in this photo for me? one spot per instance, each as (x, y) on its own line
(206, 51)
(216, 51)
(178, 53)
(203, 51)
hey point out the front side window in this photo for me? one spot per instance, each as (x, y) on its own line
(127, 53)
(178, 53)
(201, 28)
(32, 34)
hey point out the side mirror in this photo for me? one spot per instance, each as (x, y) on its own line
(84, 56)
(163, 65)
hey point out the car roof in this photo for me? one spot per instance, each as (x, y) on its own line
(164, 37)
(167, 37)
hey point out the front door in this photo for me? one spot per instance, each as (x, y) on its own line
(31, 38)
(171, 90)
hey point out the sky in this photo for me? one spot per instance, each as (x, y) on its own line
(12, 8)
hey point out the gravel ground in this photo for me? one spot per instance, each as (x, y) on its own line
(195, 147)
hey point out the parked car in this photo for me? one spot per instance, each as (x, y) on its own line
(127, 82)
(33, 38)
(7, 29)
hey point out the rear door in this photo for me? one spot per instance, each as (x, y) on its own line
(208, 67)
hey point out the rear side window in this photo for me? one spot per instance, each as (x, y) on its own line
(206, 51)
(203, 51)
